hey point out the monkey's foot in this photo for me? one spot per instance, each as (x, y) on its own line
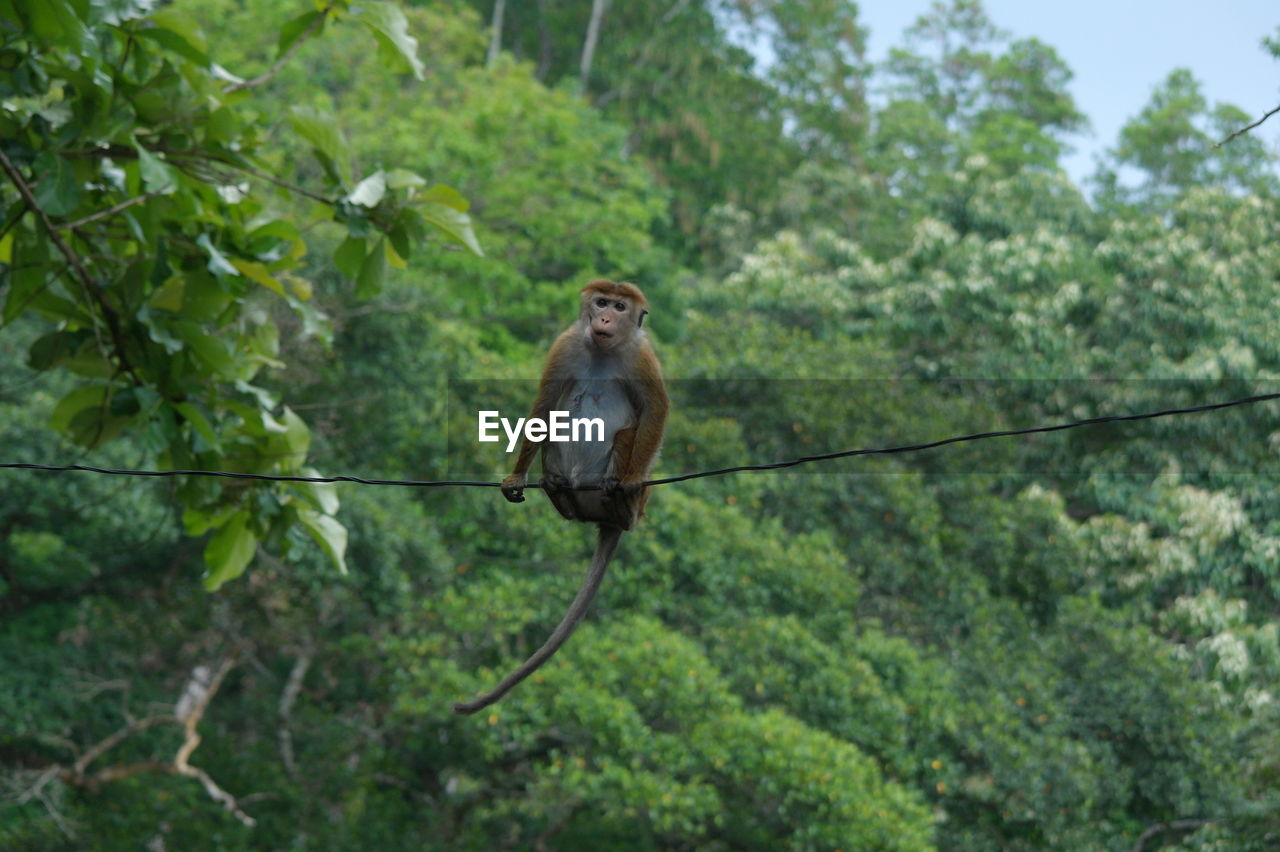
(620, 502)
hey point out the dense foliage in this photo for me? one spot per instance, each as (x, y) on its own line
(281, 236)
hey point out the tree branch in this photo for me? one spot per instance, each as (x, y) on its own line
(598, 8)
(199, 691)
(1246, 129)
(495, 38)
(288, 696)
(36, 791)
(92, 290)
(284, 57)
(118, 737)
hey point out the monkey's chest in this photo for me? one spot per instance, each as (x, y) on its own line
(598, 409)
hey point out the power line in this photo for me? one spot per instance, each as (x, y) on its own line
(978, 436)
(464, 483)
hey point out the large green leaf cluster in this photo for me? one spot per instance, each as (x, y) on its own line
(132, 228)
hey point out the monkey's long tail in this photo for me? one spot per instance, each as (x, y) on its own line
(607, 544)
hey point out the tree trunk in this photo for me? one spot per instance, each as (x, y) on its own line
(544, 43)
(589, 47)
(495, 39)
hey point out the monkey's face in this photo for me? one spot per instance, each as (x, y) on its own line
(611, 320)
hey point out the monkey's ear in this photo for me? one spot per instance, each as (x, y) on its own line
(640, 321)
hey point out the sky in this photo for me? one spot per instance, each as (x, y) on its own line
(1120, 50)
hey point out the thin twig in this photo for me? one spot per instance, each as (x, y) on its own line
(1246, 129)
(284, 184)
(284, 58)
(103, 214)
(38, 786)
(247, 169)
(37, 792)
(125, 152)
(115, 739)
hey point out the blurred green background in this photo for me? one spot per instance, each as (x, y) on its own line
(285, 227)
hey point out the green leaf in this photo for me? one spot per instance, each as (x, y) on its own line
(117, 11)
(403, 178)
(400, 243)
(179, 31)
(258, 272)
(85, 415)
(203, 298)
(372, 273)
(350, 256)
(448, 196)
(75, 350)
(394, 257)
(323, 495)
(218, 263)
(88, 361)
(454, 223)
(297, 437)
(322, 131)
(58, 192)
(56, 20)
(222, 126)
(263, 397)
(229, 550)
(278, 229)
(293, 29)
(198, 521)
(157, 176)
(200, 424)
(215, 352)
(124, 403)
(82, 398)
(52, 349)
(369, 191)
(387, 23)
(263, 345)
(169, 296)
(329, 534)
(159, 330)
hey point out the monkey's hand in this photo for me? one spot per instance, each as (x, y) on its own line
(513, 487)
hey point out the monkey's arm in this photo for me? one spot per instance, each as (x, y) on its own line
(651, 420)
(550, 388)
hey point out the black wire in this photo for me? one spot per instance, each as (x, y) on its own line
(464, 483)
(268, 477)
(1004, 433)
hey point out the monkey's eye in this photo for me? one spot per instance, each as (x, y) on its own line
(600, 303)
(621, 306)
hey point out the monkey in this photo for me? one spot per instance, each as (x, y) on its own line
(602, 366)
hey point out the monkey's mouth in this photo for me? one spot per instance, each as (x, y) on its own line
(602, 335)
